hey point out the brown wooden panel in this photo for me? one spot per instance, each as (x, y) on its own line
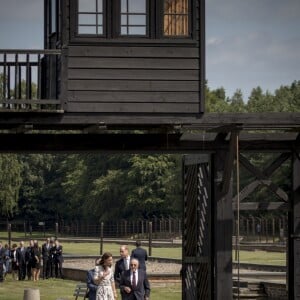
(133, 63)
(111, 96)
(133, 107)
(148, 74)
(133, 85)
(119, 51)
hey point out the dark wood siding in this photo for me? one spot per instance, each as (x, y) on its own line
(117, 78)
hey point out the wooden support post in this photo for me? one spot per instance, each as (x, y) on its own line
(222, 228)
(294, 234)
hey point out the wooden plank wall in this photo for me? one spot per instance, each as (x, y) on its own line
(124, 79)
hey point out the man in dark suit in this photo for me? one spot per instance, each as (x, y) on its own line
(21, 261)
(46, 258)
(29, 258)
(140, 254)
(134, 284)
(122, 264)
(58, 259)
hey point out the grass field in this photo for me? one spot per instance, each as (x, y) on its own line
(262, 257)
(53, 289)
(71, 248)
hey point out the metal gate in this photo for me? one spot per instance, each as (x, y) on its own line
(196, 244)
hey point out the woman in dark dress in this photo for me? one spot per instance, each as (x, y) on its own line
(14, 265)
(36, 261)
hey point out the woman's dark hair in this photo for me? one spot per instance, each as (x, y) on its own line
(104, 257)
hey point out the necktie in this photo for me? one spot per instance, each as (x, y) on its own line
(133, 280)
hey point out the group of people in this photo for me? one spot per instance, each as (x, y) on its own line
(26, 261)
(129, 275)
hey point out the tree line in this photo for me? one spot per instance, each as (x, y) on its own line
(105, 187)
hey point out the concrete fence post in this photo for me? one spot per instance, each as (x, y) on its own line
(31, 294)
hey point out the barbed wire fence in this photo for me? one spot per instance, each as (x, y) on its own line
(256, 229)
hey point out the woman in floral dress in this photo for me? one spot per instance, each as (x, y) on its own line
(104, 277)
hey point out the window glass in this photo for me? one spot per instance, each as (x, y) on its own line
(176, 18)
(137, 6)
(87, 5)
(87, 30)
(87, 19)
(133, 17)
(90, 17)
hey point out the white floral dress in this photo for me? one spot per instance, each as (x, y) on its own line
(104, 290)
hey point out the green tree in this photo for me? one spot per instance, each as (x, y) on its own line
(153, 183)
(34, 167)
(236, 103)
(286, 98)
(260, 102)
(10, 182)
(215, 100)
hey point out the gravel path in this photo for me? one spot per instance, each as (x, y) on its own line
(152, 267)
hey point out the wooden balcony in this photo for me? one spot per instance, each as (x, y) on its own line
(30, 80)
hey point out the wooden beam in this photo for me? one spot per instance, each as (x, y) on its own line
(276, 164)
(261, 176)
(248, 189)
(229, 161)
(121, 141)
(209, 121)
(261, 206)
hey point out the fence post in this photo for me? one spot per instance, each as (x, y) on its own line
(253, 226)
(142, 221)
(9, 235)
(179, 227)
(101, 237)
(150, 238)
(247, 228)
(273, 229)
(267, 230)
(125, 228)
(56, 229)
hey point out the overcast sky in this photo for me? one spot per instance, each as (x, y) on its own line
(249, 43)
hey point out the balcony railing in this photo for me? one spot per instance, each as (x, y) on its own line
(29, 80)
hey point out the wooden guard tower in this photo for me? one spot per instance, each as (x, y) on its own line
(112, 67)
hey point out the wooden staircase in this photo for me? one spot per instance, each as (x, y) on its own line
(248, 290)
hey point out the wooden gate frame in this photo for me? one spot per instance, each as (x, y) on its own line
(216, 136)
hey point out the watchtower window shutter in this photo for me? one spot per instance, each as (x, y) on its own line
(176, 18)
